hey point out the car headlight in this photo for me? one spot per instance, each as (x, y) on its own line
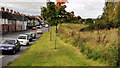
(1, 47)
(10, 48)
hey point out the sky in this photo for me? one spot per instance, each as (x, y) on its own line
(83, 8)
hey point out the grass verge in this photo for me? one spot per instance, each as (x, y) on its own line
(42, 53)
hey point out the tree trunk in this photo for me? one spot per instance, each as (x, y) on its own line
(50, 35)
(104, 36)
(55, 36)
(99, 35)
(79, 41)
(48, 28)
(56, 29)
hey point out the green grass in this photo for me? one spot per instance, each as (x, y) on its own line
(42, 53)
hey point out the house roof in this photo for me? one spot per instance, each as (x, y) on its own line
(5, 15)
(17, 17)
(28, 17)
(10, 16)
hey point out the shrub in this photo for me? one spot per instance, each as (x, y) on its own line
(104, 52)
(66, 41)
(75, 43)
(82, 47)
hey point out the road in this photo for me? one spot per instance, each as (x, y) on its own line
(5, 59)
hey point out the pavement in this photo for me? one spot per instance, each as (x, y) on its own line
(7, 58)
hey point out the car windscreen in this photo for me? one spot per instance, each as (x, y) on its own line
(22, 37)
(8, 42)
(28, 35)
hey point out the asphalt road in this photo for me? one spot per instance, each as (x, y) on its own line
(5, 59)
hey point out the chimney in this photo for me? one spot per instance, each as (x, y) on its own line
(21, 14)
(11, 11)
(18, 13)
(24, 14)
(7, 10)
(14, 12)
(2, 9)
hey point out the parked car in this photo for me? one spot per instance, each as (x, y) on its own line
(23, 39)
(39, 27)
(39, 31)
(11, 45)
(33, 35)
(46, 25)
(33, 28)
(30, 36)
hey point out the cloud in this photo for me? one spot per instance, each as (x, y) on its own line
(84, 8)
(32, 8)
(23, 0)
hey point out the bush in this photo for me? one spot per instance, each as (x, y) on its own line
(101, 26)
(87, 42)
(82, 47)
(66, 41)
(75, 44)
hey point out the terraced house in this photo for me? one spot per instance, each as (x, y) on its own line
(14, 21)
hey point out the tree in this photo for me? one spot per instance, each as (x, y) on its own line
(54, 15)
(51, 15)
(44, 13)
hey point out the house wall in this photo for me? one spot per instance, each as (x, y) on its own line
(0, 21)
(25, 25)
(0, 26)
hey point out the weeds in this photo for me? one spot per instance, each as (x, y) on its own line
(104, 51)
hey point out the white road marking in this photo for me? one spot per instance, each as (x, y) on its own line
(1, 57)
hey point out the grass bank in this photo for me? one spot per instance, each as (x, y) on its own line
(42, 53)
(105, 51)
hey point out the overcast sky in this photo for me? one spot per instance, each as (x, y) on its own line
(84, 8)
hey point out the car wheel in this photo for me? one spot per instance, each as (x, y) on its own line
(14, 51)
(3, 53)
(27, 44)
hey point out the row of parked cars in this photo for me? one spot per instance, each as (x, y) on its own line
(39, 27)
(14, 45)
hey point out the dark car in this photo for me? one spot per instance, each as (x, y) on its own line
(11, 45)
(30, 36)
(33, 35)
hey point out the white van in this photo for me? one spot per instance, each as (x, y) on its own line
(23, 39)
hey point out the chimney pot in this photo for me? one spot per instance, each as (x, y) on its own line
(7, 10)
(11, 11)
(21, 14)
(2, 9)
(14, 12)
(18, 13)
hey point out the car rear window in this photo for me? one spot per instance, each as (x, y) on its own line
(22, 37)
(7, 41)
